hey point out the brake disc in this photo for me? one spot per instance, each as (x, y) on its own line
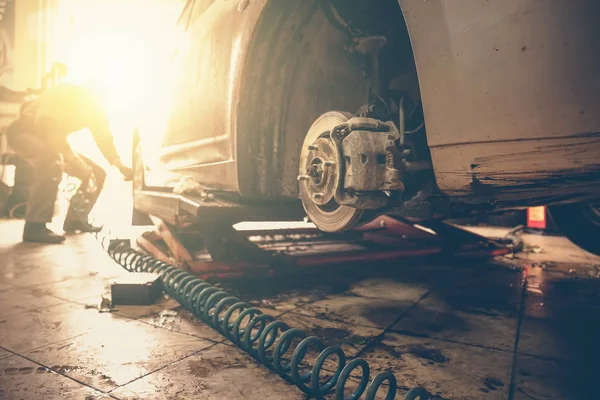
(319, 176)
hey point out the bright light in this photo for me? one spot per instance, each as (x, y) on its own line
(125, 49)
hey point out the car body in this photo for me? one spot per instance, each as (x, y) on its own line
(507, 89)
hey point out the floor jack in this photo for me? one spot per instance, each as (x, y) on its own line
(225, 251)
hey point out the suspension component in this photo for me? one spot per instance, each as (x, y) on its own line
(260, 335)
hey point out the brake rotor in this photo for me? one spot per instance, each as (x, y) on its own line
(320, 174)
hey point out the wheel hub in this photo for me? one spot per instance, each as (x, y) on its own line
(320, 174)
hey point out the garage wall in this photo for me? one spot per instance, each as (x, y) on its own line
(7, 35)
(31, 32)
(33, 43)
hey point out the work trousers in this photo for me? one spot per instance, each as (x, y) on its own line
(47, 169)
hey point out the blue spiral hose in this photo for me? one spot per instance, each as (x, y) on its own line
(262, 337)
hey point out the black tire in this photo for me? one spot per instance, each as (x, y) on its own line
(580, 223)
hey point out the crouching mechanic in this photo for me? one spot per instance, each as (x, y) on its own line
(40, 134)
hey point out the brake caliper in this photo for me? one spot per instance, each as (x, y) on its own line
(371, 164)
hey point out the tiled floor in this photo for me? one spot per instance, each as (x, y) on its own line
(495, 329)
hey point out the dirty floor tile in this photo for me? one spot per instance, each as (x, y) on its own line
(123, 351)
(280, 294)
(553, 248)
(19, 300)
(553, 380)
(280, 304)
(135, 312)
(4, 286)
(382, 288)
(76, 290)
(21, 379)
(351, 338)
(484, 287)
(219, 373)
(5, 354)
(432, 317)
(24, 273)
(30, 264)
(34, 269)
(365, 311)
(558, 295)
(557, 249)
(33, 329)
(11, 231)
(181, 320)
(298, 290)
(448, 370)
(576, 342)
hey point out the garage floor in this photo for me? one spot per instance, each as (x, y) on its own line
(464, 330)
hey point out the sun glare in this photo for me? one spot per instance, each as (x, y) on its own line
(124, 49)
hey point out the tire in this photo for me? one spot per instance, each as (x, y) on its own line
(580, 223)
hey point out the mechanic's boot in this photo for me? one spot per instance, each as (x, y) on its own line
(72, 226)
(38, 233)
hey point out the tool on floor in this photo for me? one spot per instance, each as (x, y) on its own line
(136, 289)
(263, 337)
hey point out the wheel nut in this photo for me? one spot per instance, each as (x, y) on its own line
(317, 196)
(313, 147)
(303, 177)
(329, 163)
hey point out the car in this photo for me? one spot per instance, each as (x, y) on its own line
(343, 110)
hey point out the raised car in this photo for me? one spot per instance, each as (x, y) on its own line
(345, 109)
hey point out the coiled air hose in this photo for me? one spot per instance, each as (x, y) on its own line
(263, 337)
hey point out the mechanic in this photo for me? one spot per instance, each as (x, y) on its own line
(40, 135)
(20, 190)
